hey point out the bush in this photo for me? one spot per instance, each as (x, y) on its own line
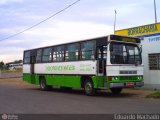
(154, 95)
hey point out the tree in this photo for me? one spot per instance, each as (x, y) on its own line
(14, 62)
(1, 64)
(17, 61)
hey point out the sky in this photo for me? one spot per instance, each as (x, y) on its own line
(86, 19)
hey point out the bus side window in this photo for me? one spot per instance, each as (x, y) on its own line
(39, 56)
(58, 54)
(102, 52)
(47, 55)
(71, 53)
(27, 57)
(88, 50)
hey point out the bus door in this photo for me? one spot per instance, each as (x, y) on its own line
(102, 58)
(33, 61)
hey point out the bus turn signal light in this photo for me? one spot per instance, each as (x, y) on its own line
(110, 78)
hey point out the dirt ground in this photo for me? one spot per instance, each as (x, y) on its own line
(16, 82)
(132, 93)
(10, 74)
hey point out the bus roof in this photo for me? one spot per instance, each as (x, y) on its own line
(108, 38)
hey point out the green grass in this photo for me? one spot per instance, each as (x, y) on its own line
(154, 95)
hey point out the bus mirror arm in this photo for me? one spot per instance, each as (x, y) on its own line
(140, 48)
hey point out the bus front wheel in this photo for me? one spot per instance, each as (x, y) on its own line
(43, 85)
(116, 91)
(89, 88)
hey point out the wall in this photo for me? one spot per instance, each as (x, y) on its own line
(150, 44)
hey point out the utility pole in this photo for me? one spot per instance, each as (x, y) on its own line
(155, 12)
(115, 12)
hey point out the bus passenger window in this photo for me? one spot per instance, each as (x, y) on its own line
(88, 50)
(102, 52)
(47, 55)
(39, 56)
(27, 57)
(71, 53)
(58, 54)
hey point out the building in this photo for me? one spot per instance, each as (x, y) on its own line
(150, 35)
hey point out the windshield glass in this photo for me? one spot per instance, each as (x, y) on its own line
(125, 53)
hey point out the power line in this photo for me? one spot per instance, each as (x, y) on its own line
(16, 34)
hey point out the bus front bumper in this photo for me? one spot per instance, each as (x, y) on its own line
(126, 84)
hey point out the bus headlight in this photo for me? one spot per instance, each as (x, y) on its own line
(139, 77)
(114, 78)
(110, 78)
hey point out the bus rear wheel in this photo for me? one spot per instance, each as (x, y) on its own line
(43, 85)
(89, 88)
(116, 91)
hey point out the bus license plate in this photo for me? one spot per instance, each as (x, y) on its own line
(130, 84)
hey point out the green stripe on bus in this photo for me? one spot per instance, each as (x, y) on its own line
(75, 81)
(62, 80)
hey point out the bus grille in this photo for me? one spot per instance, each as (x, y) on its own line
(128, 77)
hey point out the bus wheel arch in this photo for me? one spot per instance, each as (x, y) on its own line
(43, 85)
(87, 84)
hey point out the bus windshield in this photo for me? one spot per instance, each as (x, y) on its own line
(125, 53)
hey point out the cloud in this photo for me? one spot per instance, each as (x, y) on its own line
(70, 31)
(9, 1)
(87, 19)
(51, 34)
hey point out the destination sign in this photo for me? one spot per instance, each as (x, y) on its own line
(124, 38)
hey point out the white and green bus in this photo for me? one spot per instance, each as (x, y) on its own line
(110, 62)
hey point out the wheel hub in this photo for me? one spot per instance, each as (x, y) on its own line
(42, 84)
(88, 87)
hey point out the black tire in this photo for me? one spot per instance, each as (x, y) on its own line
(116, 91)
(43, 85)
(89, 88)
